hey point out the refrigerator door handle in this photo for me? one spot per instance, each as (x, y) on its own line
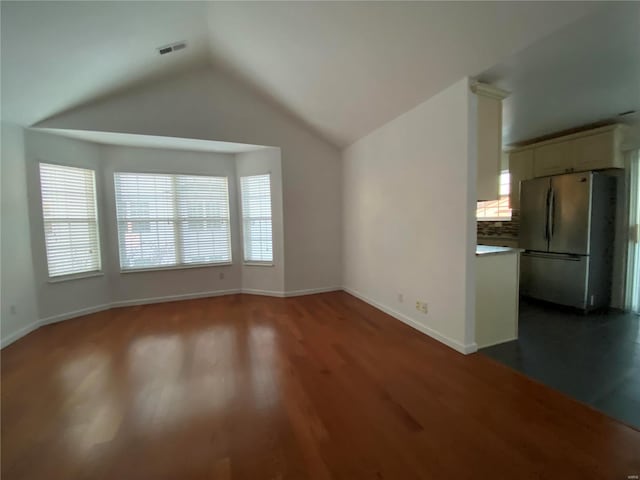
(546, 216)
(551, 213)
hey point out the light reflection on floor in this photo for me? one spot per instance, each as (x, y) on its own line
(93, 413)
(169, 379)
(264, 366)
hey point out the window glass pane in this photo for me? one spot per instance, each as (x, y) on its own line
(70, 219)
(256, 218)
(170, 220)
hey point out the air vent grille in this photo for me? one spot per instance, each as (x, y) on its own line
(174, 47)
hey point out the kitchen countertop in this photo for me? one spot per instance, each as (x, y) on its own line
(482, 250)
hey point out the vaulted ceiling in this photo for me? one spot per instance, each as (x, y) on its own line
(342, 68)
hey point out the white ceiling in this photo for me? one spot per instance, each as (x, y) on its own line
(150, 141)
(344, 68)
(349, 67)
(586, 73)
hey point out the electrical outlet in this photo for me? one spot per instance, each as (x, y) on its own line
(221, 275)
(422, 306)
(400, 297)
(12, 309)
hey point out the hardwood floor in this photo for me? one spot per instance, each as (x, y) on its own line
(315, 387)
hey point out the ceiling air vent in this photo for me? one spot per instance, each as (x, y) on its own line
(174, 47)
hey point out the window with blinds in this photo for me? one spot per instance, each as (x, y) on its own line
(255, 191)
(497, 210)
(172, 220)
(70, 219)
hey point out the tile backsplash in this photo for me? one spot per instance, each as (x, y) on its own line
(500, 229)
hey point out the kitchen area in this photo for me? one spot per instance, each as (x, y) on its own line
(558, 195)
(556, 270)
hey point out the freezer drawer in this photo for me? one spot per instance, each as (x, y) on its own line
(560, 279)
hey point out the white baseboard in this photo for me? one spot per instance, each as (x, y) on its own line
(76, 313)
(9, 339)
(457, 346)
(266, 293)
(466, 349)
(290, 293)
(172, 298)
(498, 342)
(311, 291)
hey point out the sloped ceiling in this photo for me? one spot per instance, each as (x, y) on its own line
(348, 68)
(58, 55)
(342, 68)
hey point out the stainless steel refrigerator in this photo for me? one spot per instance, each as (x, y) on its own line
(567, 231)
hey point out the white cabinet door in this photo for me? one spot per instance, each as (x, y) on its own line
(553, 159)
(596, 152)
(489, 148)
(520, 168)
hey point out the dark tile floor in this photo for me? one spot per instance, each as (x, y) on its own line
(594, 358)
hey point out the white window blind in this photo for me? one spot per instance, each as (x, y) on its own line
(256, 218)
(497, 210)
(70, 219)
(172, 220)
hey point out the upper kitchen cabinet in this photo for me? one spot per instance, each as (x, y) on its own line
(553, 159)
(520, 169)
(599, 151)
(596, 149)
(489, 139)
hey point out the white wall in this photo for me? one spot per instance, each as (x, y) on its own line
(207, 104)
(261, 278)
(409, 216)
(18, 289)
(59, 299)
(136, 286)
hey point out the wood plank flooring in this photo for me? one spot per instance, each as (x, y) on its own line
(315, 387)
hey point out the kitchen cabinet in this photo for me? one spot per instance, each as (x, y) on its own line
(520, 169)
(596, 152)
(553, 159)
(596, 149)
(497, 281)
(489, 140)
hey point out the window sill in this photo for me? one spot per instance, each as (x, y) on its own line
(74, 276)
(175, 267)
(258, 264)
(497, 219)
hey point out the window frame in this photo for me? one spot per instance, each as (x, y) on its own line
(75, 275)
(176, 221)
(500, 199)
(256, 263)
